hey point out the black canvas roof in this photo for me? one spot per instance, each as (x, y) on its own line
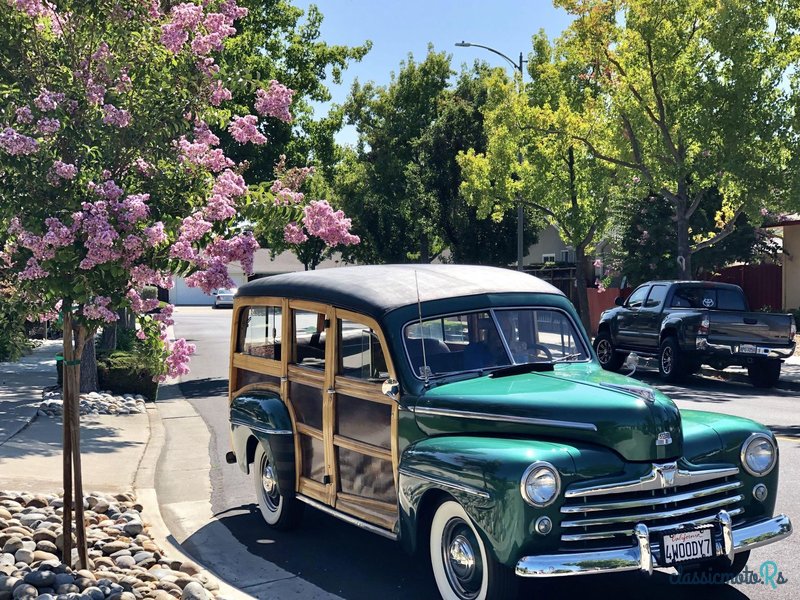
(377, 289)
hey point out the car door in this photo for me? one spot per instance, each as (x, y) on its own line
(626, 318)
(363, 422)
(648, 321)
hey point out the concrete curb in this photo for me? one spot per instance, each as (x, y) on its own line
(27, 423)
(145, 488)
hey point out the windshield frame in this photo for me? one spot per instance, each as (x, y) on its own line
(509, 355)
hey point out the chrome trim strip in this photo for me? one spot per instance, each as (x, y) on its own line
(480, 416)
(667, 514)
(655, 480)
(443, 482)
(623, 504)
(762, 533)
(347, 518)
(261, 429)
(583, 537)
(635, 558)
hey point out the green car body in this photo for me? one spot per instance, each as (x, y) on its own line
(472, 437)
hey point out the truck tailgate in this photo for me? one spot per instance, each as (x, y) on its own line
(750, 327)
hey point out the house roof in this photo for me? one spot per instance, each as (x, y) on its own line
(378, 289)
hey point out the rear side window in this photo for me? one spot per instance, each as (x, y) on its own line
(259, 332)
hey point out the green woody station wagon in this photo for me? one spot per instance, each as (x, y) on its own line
(461, 411)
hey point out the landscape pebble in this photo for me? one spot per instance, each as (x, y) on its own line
(124, 561)
(94, 403)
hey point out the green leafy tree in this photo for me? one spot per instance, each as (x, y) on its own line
(698, 102)
(532, 158)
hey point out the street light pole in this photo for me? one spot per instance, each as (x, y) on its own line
(520, 213)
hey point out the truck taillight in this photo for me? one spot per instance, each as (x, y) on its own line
(702, 329)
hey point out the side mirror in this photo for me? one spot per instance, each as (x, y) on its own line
(391, 388)
(619, 301)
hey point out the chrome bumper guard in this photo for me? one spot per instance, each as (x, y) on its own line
(640, 556)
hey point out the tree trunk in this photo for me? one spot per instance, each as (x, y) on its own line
(582, 295)
(88, 374)
(684, 259)
(108, 337)
(69, 395)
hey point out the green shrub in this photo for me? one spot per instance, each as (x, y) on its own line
(124, 372)
(14, 340)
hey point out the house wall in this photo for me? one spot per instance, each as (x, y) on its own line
(791, 266)
(550, 242)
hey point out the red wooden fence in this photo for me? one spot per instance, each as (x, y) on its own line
(762, 284)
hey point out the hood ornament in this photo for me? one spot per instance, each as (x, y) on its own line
(635, 390)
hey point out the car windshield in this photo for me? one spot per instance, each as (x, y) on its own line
(473, 342)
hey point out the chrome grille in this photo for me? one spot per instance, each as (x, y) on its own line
(605, 516)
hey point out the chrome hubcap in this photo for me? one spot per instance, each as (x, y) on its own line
(666, 360)
(269, 483)
(462, 563)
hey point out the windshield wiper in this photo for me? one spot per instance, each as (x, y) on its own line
(521, 369)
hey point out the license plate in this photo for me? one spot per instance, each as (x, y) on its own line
(747, 349)
(681, 546)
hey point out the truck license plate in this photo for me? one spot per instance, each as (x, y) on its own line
(747, 349)
(686, 545)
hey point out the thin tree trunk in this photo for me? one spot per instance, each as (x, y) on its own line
(68, 393)
(582, 295)
(88, 370)
(85, 340)
(108, 338)
(684, 266)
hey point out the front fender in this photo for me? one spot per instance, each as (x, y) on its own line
(483, 474)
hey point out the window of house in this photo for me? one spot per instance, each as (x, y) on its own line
(566, 256)
(549, 258)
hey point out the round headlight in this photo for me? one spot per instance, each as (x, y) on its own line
(759, 454)
(540, 484)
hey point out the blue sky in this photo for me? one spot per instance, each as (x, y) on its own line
(397, 28)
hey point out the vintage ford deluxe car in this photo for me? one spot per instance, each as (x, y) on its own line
(461, 411)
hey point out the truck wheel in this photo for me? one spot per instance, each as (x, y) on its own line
(609, 359)
(281, 510)
(765, 374)
(462, 567)
(718, 570)
(671, 362)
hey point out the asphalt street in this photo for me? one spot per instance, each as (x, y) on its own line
(343, 561)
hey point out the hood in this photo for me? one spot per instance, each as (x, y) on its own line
(578, 402)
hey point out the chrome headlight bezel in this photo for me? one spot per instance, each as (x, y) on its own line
(531, 472)
(743, 454)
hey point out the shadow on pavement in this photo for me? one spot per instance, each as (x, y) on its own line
(202, 388)
(357, 565)
(44, 438)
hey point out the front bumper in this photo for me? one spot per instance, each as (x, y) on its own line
(643, 555)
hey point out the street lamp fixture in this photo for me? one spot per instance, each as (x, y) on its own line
(520, 213)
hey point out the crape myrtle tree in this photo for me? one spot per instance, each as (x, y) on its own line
(110, 176)
(699, 94)
(531, 158)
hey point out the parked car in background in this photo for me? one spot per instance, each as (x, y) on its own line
(686, 324)
(461, 412)
(223, 298)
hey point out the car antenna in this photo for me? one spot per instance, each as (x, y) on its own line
(422, 337)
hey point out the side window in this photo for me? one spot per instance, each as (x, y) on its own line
(309, 339)
(259, 332)
(360, 352)
(636, 299)
(656, 297)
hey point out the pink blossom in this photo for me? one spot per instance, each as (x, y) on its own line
(219, 93)
(203, 135)
(219, 208)
(58, 235)
(194, 227)
(207, 66)
(155, 234)
(47, 126)
(219, 24)
(108, 189)
(178, 358)
(24, 115)
(275, 102)
(61, 170)
(124, 82)
(165, 315)
(186, 15)
(173, 37)
(143, 167)
(134, 248)
(32, 271)
(98, 310)
(243, 130)
(116, 116)
(229, 184)
(133, 208)
(95, 92)
(764, 212)
(15, 143)
(331, 226)
(239, 248)
(33, 8)
(182, 250)
(140, 334)
(600, 287)
(293, 234)
(636, 179)
(598, 263)
(140, 305)
(213, 277)
(48, 101)
(142, 275)
(203, 44)
(231, 10)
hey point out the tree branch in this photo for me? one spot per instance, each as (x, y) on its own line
(662, 113)
(726, 231)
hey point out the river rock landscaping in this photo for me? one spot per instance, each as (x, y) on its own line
(94, 403)
(124, 561)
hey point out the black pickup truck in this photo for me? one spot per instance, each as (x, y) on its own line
(685, 324)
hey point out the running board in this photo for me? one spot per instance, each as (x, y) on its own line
(347, 518)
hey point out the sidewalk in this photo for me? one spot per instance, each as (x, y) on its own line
(119, 453)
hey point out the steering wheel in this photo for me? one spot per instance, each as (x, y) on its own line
(534, 350)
